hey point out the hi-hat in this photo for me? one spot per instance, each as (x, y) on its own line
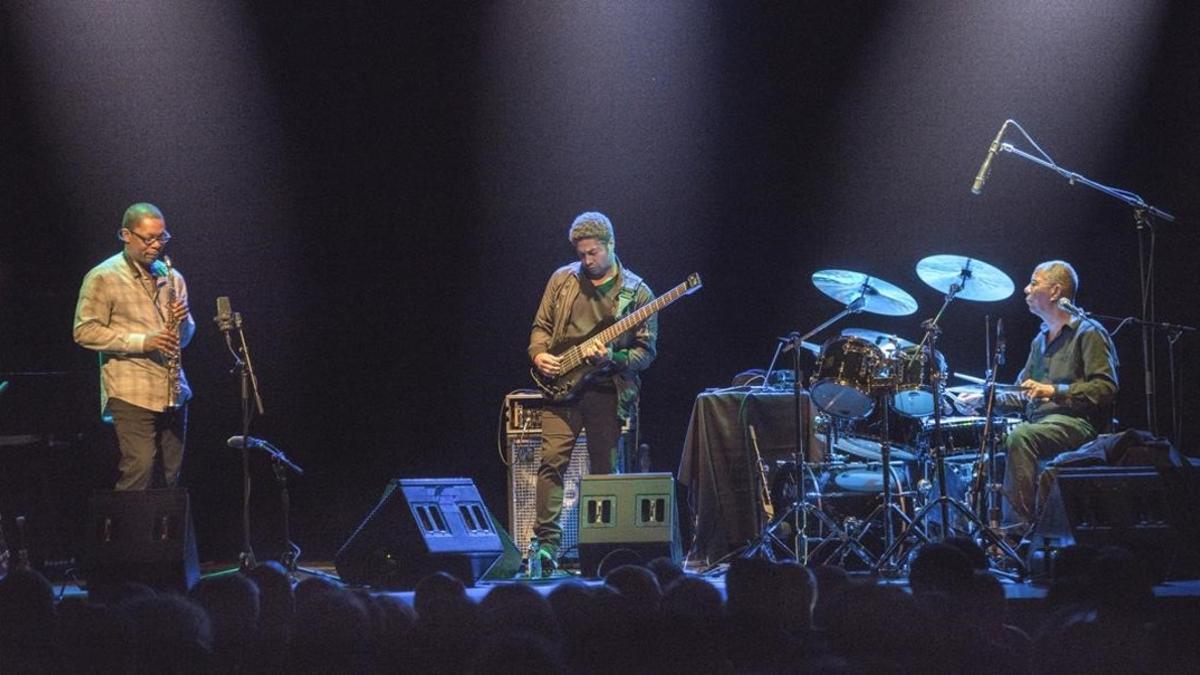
(879, 339)
(975, 279)
(874, 295)
(870, 449)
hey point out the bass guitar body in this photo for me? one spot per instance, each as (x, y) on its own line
(566, 386)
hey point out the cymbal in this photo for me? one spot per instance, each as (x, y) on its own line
(982, 282)
(877, 296)
(878, 338)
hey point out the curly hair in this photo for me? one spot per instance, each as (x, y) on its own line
(591, 225)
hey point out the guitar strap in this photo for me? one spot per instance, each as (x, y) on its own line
(626, 295)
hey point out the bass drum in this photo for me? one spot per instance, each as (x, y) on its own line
(846, 374)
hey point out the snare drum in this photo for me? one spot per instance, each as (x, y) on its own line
(962, 435)
(846, 373)
(914, 393)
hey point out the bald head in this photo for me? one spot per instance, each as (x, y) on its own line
(135, 213)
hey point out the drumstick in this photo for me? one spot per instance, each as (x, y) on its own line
(970, 378)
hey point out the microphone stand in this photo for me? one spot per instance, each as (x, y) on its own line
(249, 392)
(280, 466)
(1142, 215)
(986, 489)
(1174, 332)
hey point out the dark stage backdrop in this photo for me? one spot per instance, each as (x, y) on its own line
(383, 191)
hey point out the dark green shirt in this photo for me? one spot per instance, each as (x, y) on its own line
(594, 305)
(1081, 362)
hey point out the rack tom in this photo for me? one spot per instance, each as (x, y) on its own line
(846, 374)
(914, 391)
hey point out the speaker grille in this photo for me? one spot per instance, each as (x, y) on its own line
(525, 455)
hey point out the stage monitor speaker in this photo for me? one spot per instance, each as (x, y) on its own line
(421, 526)
(144, 536)
(509, 564)
(1102, 506)
(626, 518)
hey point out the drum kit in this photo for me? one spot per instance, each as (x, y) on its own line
(889, 433)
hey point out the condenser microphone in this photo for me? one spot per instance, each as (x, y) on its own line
(1065, 305)
(224, 317)
(245, 442)
(986, 167)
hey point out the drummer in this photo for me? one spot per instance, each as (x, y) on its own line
(1068, 386)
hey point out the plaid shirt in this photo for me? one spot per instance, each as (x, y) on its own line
(119, 305)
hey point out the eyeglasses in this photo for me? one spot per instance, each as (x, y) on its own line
(162, 238)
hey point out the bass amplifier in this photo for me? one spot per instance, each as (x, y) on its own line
(523, 430)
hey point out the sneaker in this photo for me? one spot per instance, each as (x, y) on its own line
(548, 553)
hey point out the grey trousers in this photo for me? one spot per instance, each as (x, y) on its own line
(1028, 443)
(144, 436)
(561, 425)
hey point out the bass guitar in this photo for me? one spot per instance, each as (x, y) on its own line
(575, 370)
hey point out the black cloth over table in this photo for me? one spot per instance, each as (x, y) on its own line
(718, 463)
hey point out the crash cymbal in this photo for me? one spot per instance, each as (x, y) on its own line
(877, 296)
(879, 339)
(978, 280)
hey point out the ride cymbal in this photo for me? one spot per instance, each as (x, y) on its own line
(975, 279)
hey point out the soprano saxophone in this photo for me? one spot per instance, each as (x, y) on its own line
(174, 386)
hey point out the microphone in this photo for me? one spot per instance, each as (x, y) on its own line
(276, 453)
(224, 317)
(1001, 344)
(245, 441)
(1065, 305)
(986, 167)
(789, 342)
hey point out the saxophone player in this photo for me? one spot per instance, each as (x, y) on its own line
(126, 314)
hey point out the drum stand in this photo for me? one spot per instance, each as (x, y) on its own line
(944, 502)
(800, 509)
(887, 505)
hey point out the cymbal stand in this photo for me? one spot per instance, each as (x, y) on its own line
(887, 505)
(944, 502)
